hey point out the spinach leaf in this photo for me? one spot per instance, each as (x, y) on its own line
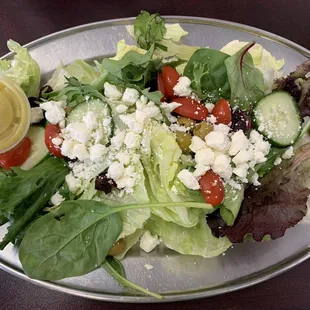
(32, 190)
(133, 67)
(246, 82)
(75, 238)
(149, 29)
(116, 270)
(207, 71)
(69, 241)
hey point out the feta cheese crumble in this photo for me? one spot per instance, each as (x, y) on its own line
(57, 199)
(36, 115)
(188, 179)
(289, 153)
(182, 88)
(54, 112)
(111, 91)
(148, 242)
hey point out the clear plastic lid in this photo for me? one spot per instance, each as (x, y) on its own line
(15, 113)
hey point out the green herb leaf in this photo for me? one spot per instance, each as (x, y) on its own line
(75, 238)
(207, 71)
(148, 29)
(116, 270)
(246, 82)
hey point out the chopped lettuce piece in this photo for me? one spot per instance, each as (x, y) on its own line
(192, 241)
(79, 69)
(162, 164)
(23, 69)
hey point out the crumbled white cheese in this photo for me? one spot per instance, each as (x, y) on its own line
(278, 161)
(168, 108)
(222, 128)
(241, 171)
(96, 152)
(73, 183)
(148, 242)
(242, 157)
(182, 88)
(57, 141)
(176, 127)
(36, 115)
(254, 180)
(197, 144)
(118, 140)
(90, 119)
(121, 108)
(148, 266)
(111, 91)
(234, 184)
(200, 170)
(130, 95)
(131, 122)
(210, 107)
(238, 142)
(78, 131)
(217, 140)
(115, 171)
(188, 179)
(80, 151)
(204, 157)
(132, 140)
(222, 166)
(123, 158)
(212, 119)
(57, 199)
(141, 102)
(54, 111)
(289, 153)
(67, 149)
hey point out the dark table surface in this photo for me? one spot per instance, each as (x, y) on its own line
(25, 21)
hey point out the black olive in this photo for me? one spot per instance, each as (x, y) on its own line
(103, 183)
(238, 121)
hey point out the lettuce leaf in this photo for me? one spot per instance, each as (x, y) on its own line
(230, 207)
(162, 164)
(79, 69)
(192, 241)
(246, 82)
(23, 69)
(262, 59)
(278, 204)
(148, 29)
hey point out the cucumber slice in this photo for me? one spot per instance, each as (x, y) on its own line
(277, 117)
(103, 113)
(38, 148)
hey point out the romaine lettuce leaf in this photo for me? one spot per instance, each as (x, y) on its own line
(196, 240)
(79, 69)
(23, 69)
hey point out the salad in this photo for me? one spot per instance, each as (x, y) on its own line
(163, 144)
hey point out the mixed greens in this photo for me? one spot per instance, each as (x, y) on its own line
(194, 148)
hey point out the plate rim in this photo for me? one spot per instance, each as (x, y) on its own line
(238, 284)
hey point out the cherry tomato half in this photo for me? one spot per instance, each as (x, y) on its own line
(17, 155)
(52, 131)
(222, 112)
(212, 188)
(170, 79)
(161, 87)
(190, 108)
